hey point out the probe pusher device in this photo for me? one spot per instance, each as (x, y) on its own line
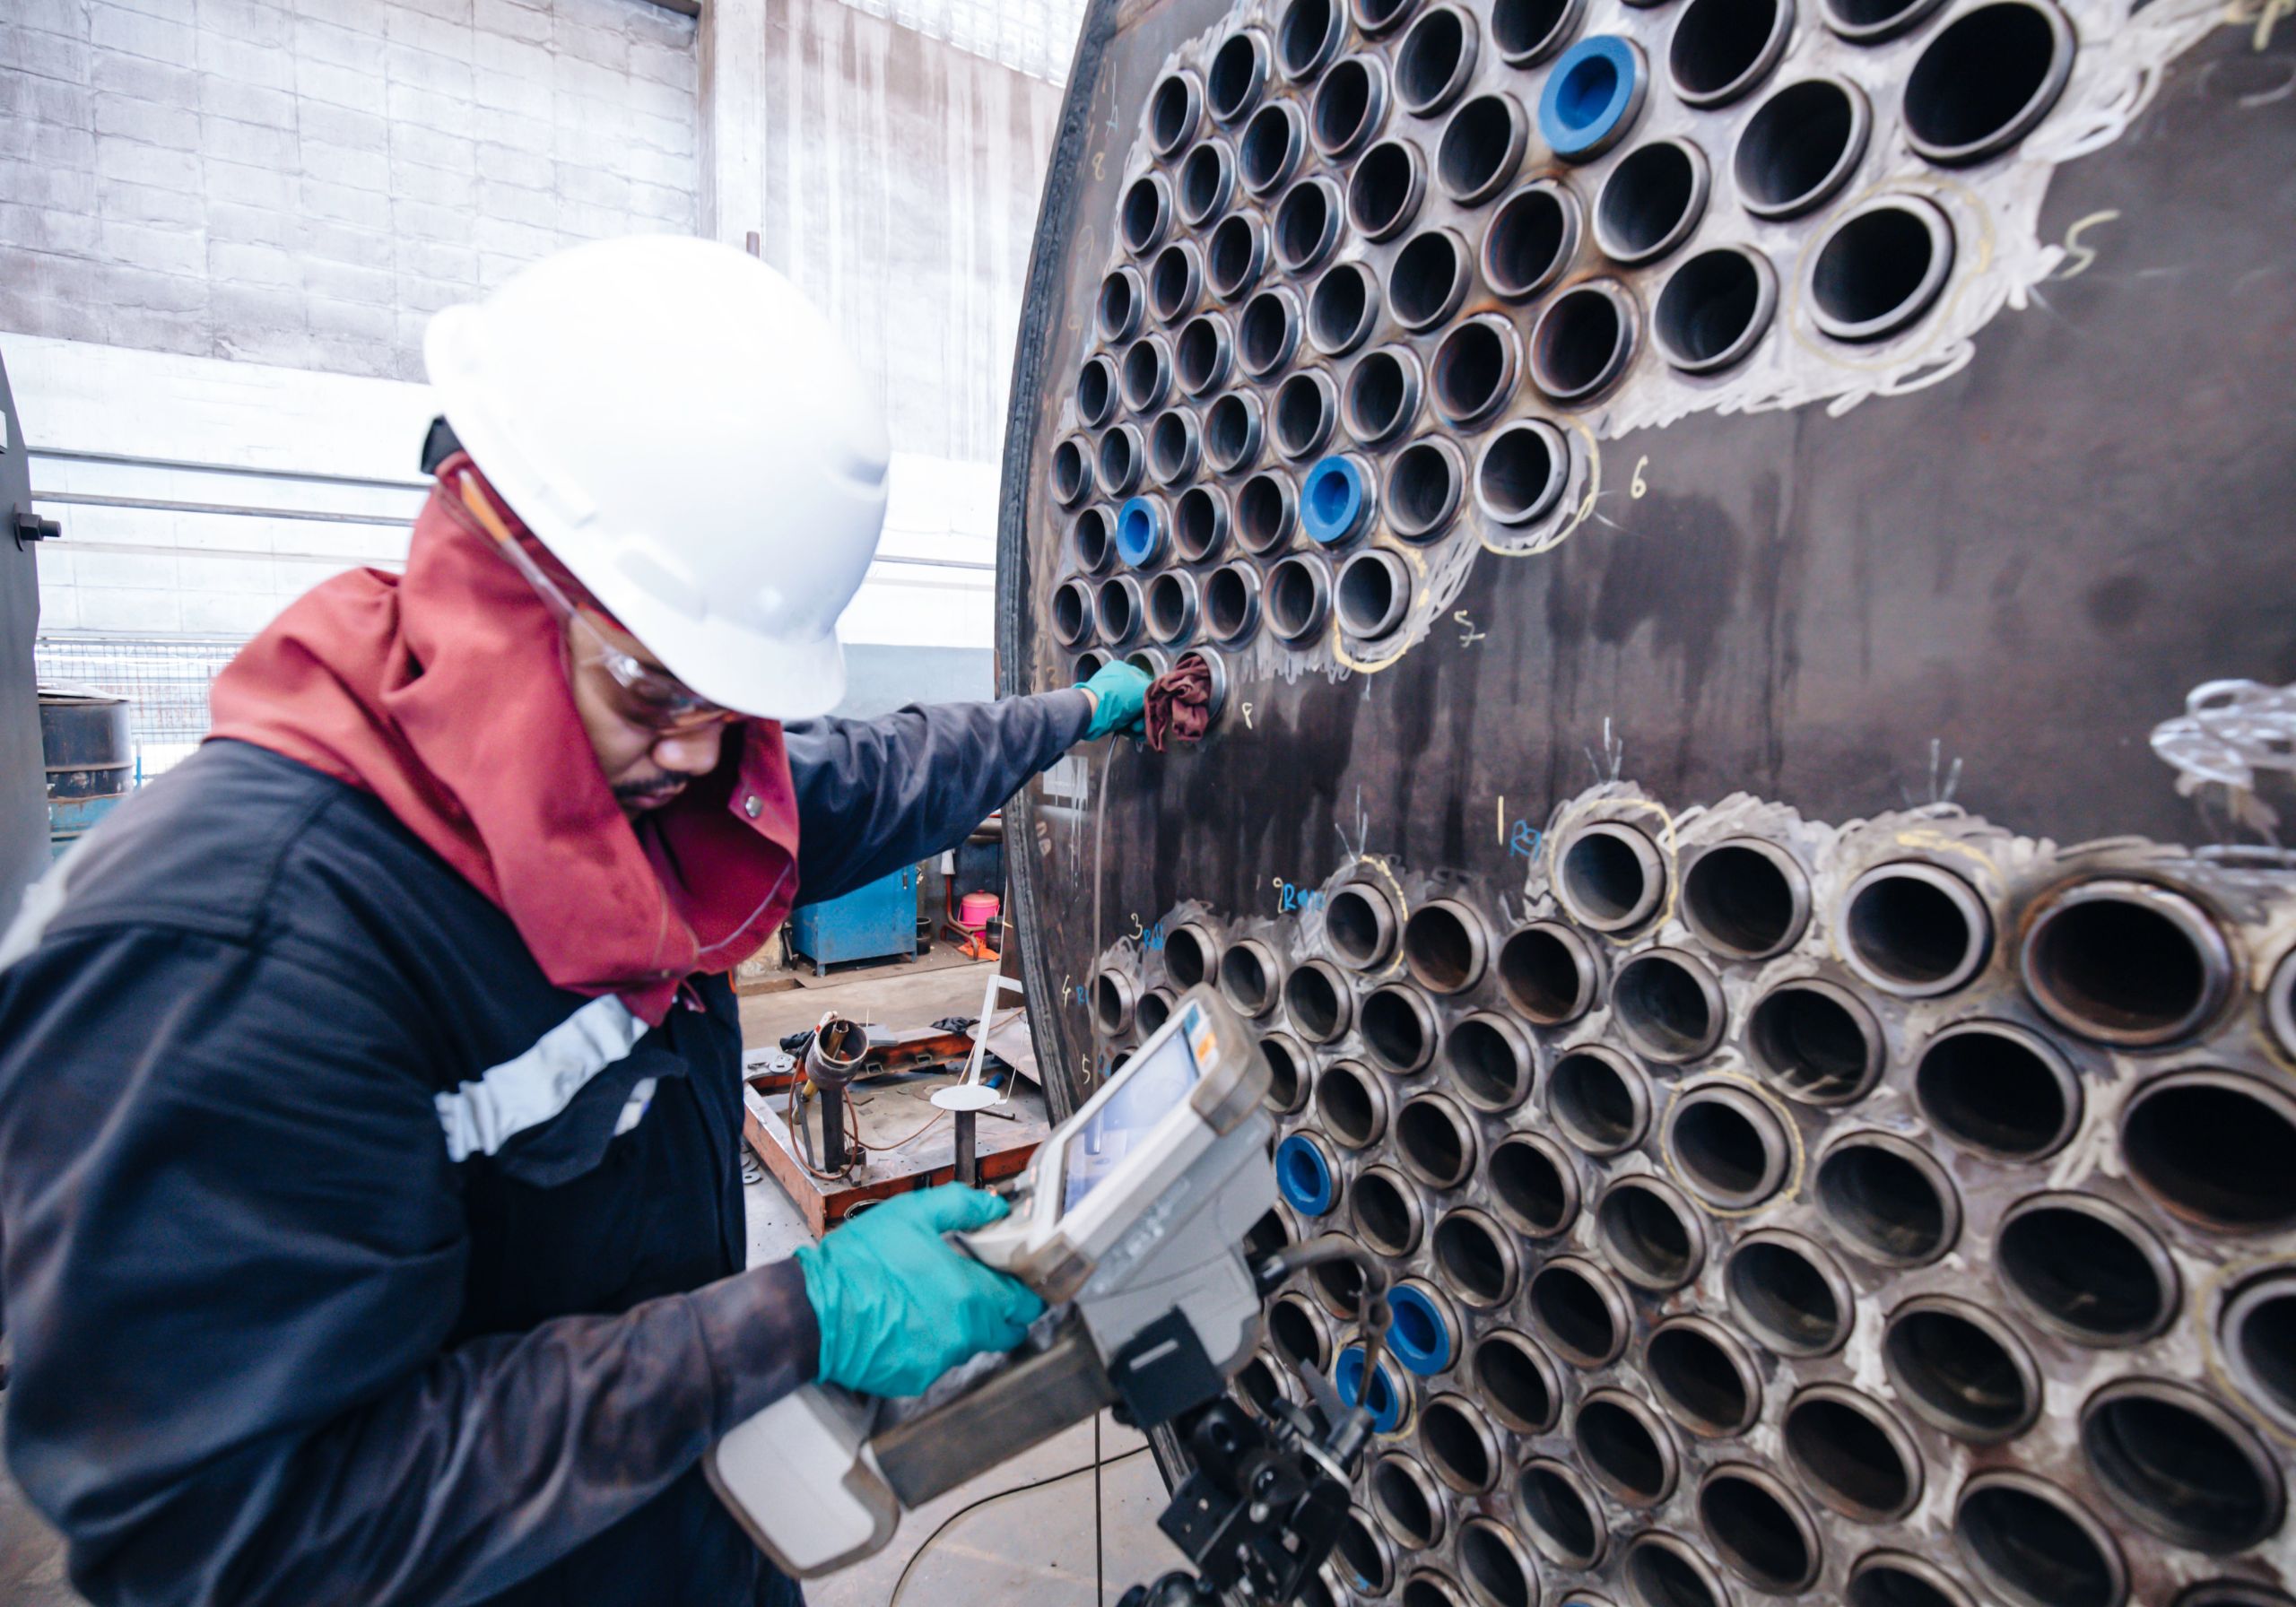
(1132, 1216)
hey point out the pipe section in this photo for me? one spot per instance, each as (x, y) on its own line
(1801, 146)
(1613, 876)
(2032, 1545)
(1250, 978)
(1477, 1260)
(1703, 1377)
(1490, 1061)
(1961, 1370)
(1350, 104)
(1580, 1311)
(1723, 48)
(1175, 111)
(1175, 447)
(1232, 429)
(1307, 38)
(1428, 279)
(1549, 973)
(1266, 511)
(1459, 1444)
(1475, 371)
(1287, 1066)
(1238, 76)
(2126, 962)
(1668, 1005)
(1887, 1199)
(1207, 183)
(2216, 1149)
(1532, 237)
(1386, 1212)
(1385, 190)
(1526, 32)
(1445, 945)
(1317, 999)
(1815, 1041)
(1650, 1232)
(1145, 216)
(1987, 80)
(1307, 225)
(1746, 899)
(1299, 596)
(1583, 340)
(1521, 472)
(1436, 1142)
(1652, 200)
(1598, 1099)
(1727, 1145)
(1435, 60)
(1273, 145)
(1516, 1381)
(1307, 409)
(1236, 255)
(1381, 396)
(1534, 1185)
(1360, 924)
(1172, 606)
(1759, 1529)
(1879, 267)
(1714, 310)
(1200, 523)
(1852, 1453)
(1344, 309)
(2182, 1467)
(1562, 1515)
(1481, 148)
(1915, 929)
(1231, 602)
(1399, 1028)
(1998, 1090)
(2086, 1270)
(1788, 1293)
(1622, 1444)
(1176, 282)
(1268, 332)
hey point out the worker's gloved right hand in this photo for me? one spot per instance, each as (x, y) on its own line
(898, 1304)
(1119, 699)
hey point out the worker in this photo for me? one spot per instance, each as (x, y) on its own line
(370, 1084)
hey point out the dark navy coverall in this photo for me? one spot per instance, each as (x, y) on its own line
(348, 1260)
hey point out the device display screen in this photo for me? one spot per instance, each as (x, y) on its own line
(1154, 1084)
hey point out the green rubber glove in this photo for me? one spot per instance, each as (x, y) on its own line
(1122, 693)
(898, 1305)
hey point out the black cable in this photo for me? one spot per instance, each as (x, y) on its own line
(1100, 1562)
(989, 1500)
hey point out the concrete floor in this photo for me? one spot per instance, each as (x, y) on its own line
(1034, 1550)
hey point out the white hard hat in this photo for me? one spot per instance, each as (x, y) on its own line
(685, 433)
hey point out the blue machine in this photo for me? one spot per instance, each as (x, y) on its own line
(870, 923)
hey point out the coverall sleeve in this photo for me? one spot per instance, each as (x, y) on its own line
(234, 1254)
(873, 795)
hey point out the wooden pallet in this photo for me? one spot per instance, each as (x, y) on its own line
(891, 1108)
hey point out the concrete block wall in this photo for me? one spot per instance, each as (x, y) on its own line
(304, 182)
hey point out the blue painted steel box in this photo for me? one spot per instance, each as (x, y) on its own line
(868, 923)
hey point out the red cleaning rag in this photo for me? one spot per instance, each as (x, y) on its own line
(1179, 703)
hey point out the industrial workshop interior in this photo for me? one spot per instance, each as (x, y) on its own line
(1147, 802)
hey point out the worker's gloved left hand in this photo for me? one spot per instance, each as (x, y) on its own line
(1120, 699)
(898, 1305)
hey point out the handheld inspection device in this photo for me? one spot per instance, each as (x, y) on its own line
(1130, 1222)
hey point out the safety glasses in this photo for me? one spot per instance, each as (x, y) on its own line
(645, 695)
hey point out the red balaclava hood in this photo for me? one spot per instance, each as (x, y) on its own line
(443, 692)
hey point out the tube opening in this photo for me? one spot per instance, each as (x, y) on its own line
(1269, 151)
(1266, 508)
(1298, 598)
(1094, 539)
(1200, 523)
(1384, 192)
(1598, 1099)
(1888, 1200)
(1191, 955)
(1532, 237)
(1147, 373)
(1435, 60)
(1257, 1382)
(1307, 225)
(1096, 391)
(1960, 1369)
(1649, 1234)
(1398, 1028)
(1231, 601)
(1727, 1145)
(1998, 1090)
(1175, 108)
(1208, 182)
(2085, 1269)
(1349, 105)
(2258, 1335)
(1087, 665)
(2182, 1466)
(1663, 1571)
(1443, 945)
(1428, 279)
(1319, 1001)
(1745, 898)
(1434, 1140)
(1378, 16)
(1582, 340)
(1072, 613)
(1474, 370)
(1667, 1004)
(1816, 1042)
(1425, 488)
(1171, 606)
(1382, 396)
(1360, 920)
(1722, 48)
(1287, 1072)
(1235, 254)
(1123, 303)
(1476, 1261)
(1363, 1549)
(1758, 1530)
(1897, 1579)
(1800, 147)
(1268, 331)
(1386, 1212)
(1561, 1513)
(1459, 1444)
(1521, 473)
(1613, 876)
(1788, 1293)
(1404, 1498)
(1072, 471)
(2030, 1544)
(2126, 962)
(1119, 610)
(1547, 972)
(1306, 407)
(1498, 1574)
(1305, 39)
(2216, 1149)
(1175, 281)
(1916, 930)
(1533, 1185)
(1703, 1377)
(1236, 76)
(1527, 31)
(1880, 268)
(1715, 308)
(1624, 1447)
(1987, 79)
(1489, 1062)
(1652, 200)
(1231, 431)
(1854, 1454)
(1427, 1588)
(1113, 995)
(1342, 309)
(1518, 1382)
(1175, 446)
(1146, 214)
(1248, 977)
(1374, 593)
(1481, 148)
(1580, 1311)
